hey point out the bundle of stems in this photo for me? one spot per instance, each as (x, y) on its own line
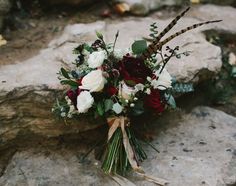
(115, 157)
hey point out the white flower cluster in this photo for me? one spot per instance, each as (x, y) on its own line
(94, 81)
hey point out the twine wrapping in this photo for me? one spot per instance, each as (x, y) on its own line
(122, 122)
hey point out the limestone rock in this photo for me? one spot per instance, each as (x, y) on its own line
(196, 149)
(142, 7)
(199, 149)
(214, 12)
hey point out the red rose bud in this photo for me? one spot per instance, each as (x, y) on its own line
(134, 69)
(72, 95)
(112, 90)
(79, 81)
(153, 101)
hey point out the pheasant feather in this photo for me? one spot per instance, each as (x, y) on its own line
(156, 45)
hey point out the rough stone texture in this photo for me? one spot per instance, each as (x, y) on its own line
(196, 149)
(214, 12)
(143, 7)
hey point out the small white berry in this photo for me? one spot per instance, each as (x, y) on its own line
(149, 79)
(135, 98)
(63, 114)
(127, 101)
(148, 91)
(132, 105)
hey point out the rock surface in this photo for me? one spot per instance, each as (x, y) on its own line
(142, 7)
(196, 149)
(214, 12)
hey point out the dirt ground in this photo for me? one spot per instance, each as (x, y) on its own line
(27, 34)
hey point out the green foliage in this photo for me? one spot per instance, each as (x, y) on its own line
(138, 47)
(170, 101)
(138, 108)
(153, 30)
(73, 84)
(65, 73)
(100, 108)
(233, 73)
(223, 86)
(182, 87)
(99, 35)
(108, 103)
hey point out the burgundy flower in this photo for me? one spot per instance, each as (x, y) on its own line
(134, 70)
(153, 101)
(72, 94)
(79, 81)
(112, 90)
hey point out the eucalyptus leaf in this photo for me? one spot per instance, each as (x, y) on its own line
(138, 47)
(108, 103)
(117, 108)
(182, 87)
(171, 100)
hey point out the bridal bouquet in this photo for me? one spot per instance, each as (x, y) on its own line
(119, 84)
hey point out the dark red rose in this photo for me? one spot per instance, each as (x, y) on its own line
(79, 81)
(112, 90)
(153, 101)
(72, 94)
(134, 70)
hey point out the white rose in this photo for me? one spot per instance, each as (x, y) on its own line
(125, 91)
(163, 80)
(119, 53)
(93, 81)
(96, 59)
(84, 101)
(139, 87)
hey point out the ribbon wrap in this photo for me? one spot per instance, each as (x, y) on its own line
(122, 122)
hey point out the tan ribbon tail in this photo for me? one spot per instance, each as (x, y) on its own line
(122, 181)
(128, 149)
(114, 124)
(153, 179)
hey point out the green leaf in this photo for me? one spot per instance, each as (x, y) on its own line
(64, 73)
(88, 48)
(138, 108)
(171, 100)
(138, 47)
(183, 87)
(99, 35)
(100, 109)
(233, 71)
(130, 82)
(69, 82)
(108, 104)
